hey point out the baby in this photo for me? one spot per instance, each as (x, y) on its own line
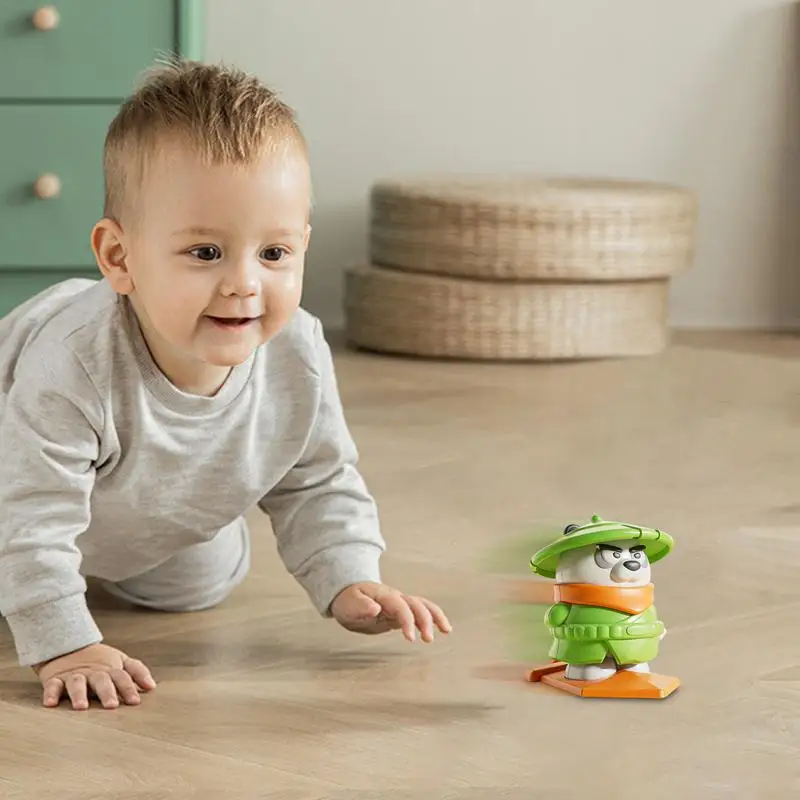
(141, 415)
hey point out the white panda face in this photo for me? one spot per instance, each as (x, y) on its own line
(617, 564)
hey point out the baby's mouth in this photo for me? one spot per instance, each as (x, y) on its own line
(232, 322)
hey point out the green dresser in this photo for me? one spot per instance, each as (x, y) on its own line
(64, 70)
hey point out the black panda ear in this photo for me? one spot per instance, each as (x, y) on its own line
(570, 528)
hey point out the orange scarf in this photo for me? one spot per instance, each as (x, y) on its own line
(630, 599)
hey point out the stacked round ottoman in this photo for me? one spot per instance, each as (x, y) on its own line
(519, 268)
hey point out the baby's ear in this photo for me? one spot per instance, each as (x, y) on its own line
(108, 245)
(306, 237)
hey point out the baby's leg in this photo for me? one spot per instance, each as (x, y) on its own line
(200, 577)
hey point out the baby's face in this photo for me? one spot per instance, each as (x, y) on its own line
(215, 257)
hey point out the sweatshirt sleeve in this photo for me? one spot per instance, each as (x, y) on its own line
(49, 444)
(323, 516)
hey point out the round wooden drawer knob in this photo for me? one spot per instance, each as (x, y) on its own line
(47, 186)
(46, 18)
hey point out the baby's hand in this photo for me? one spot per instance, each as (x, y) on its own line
(375, 608)
(108, 672)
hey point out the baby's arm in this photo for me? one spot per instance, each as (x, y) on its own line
(49, 444)
(324, 518)
(50, 435)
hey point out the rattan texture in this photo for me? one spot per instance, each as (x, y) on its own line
(414, 314)
(532, 228)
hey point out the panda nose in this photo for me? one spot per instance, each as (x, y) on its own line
(631, 565)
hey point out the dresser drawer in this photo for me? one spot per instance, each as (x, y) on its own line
(88, 49)
(67, 144)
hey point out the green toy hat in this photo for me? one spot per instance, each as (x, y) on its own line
(657, 543)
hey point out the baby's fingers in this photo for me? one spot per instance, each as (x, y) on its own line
(396, 607)
(53, 690)
(439, 617)
(104, 688)
(140, 673)
(78, 692)
(422, 617)
(126, 687)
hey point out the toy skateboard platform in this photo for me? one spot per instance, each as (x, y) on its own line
(624, 685)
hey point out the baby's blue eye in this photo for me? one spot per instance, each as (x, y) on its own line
(206, 253)
(273, 253)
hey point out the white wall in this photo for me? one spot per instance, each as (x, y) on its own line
(702, 92)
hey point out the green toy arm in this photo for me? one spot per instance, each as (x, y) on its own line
(557, 614)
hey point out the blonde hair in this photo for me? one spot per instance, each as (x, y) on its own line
(226, 115)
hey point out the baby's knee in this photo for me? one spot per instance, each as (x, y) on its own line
(197, 579)
(174, 598)
(173, 602)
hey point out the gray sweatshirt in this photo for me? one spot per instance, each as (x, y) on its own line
(106, 469)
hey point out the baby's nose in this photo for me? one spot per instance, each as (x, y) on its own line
(631, 565)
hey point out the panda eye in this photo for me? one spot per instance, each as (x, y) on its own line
(605, 558)
(637, 555)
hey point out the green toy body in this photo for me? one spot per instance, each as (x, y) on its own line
(589, 634)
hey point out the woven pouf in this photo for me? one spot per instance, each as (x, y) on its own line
(407, 313)
(521, 228)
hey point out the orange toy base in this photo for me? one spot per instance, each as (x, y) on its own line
(625, 684)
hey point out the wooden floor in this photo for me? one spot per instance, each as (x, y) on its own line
(261, 699)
